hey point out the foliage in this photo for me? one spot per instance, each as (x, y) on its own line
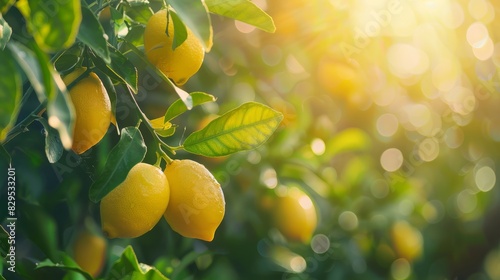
(383, 112)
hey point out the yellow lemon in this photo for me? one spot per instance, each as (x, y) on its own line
(137, 204)
(295, 215)
(89, 252)
(92, 110)
(197, 205)
(179, 64)
(407, 240)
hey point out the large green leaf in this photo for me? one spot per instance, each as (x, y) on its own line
(5, 5)
(120, 68)
(128, 267)
(5, 32)
(194, 14)
(53, 145)
(242, 10)
(243, 128)
(65, 263)
(179, 107)
(180, 31)
(54, 24)
(10, 93)
(61, 113)
(129, 151)
(92, 34)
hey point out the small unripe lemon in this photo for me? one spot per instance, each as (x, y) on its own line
(92, 110)
(197, 205)
(295, 215)
(179, 64)
(137, 204)
(89, 252)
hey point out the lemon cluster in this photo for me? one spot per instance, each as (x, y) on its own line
(186, 194)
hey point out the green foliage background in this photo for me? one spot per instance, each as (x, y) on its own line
(329, 144)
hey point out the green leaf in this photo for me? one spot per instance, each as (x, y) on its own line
(69, 59)
(38, 227)
(162, 128)
(128, 267)
(5, 5)
(61, 113)
(185, 97)
(10, 93)
(180, 31)
(53, 145)
(28, 61)
(120, 68)
(54, 24)
(186, 261)
(5, 155)
(194, 14)
(178, 107)
(91, 34)
(66, 263)
(348, 140)
(5, 32)
(242, 10)
(4, 242)
(138, 11)
(243, 128)
(129, 151)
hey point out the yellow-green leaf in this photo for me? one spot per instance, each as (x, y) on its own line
(243, 128)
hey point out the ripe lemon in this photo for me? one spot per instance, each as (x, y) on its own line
(89, 252)
(197, 205)
(338, 79)
(137, 204)
(407, 240)
(295, 215)
(179, 64)
(92, 110)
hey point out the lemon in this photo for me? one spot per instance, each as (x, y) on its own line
(197, 205)
(92, 110)
(89, 252)
(295, 215)
(338, 79)
(137, 204)
(179, 64)
(407, 240)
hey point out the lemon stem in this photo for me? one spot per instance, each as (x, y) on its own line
(143, 119)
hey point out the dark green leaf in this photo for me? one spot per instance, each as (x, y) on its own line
(138, 12)
(69, 59)
(5, 155)
(65, 263)
(120, 68)
(53, 145)
(4, 242)
(185, 97)
(92, 34)
(195, 16)
(10, 93)
(28, 61)
(5, 5)
(61, 113)
(242, 10)
(243, 128)
(129, 151)
(180, 31)
(5, 32)
(135, 35)
(128, 267)
(178, 107)
(187, 260)
(54, 24)
(38, 227)
(110, 89)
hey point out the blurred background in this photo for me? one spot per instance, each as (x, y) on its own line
(389, 144)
